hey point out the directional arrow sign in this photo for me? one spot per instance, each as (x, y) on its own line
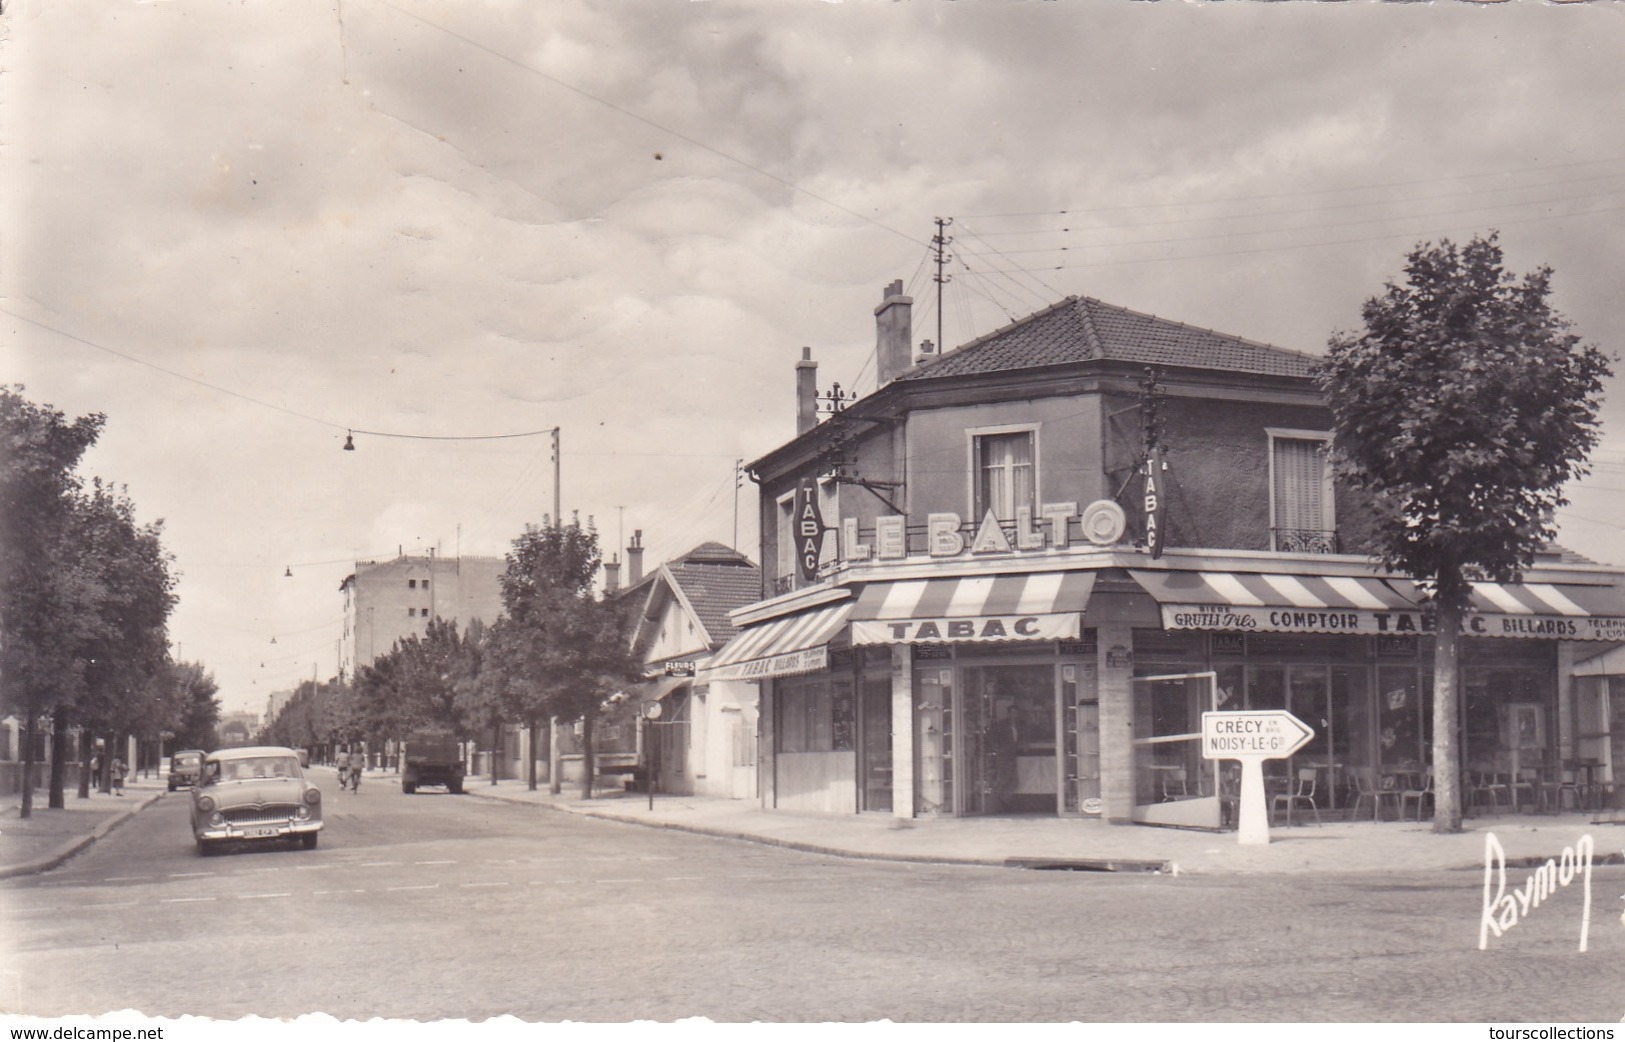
(1253, 736)
(1260, 734)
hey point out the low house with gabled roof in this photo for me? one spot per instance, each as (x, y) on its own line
(703, 741)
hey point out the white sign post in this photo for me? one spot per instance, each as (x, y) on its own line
(1253, 736)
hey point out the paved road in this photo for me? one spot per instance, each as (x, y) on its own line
(436, 906)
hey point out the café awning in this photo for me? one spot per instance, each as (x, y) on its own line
(1392, 606)
(790, 644)
(984, 608)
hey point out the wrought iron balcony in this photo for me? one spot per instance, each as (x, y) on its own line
(1304, 540)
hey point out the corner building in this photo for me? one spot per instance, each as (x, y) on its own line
(1011, 579)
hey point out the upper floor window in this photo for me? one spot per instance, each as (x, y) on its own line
(1004, 471)
(411, 584)
(1302, 508)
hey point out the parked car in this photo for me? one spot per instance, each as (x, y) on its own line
(431, 758)
(254, 793)
(184, 767)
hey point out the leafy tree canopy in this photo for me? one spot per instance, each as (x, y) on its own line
(1462, 409)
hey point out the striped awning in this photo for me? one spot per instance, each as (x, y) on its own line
(1280, 603)
(1033, 606)
(1240, 589)
(779, 647)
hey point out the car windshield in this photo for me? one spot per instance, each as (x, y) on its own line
(251, 768)
(187, 761)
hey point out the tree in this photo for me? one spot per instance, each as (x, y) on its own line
(1462, 409)
(122, 647)
(563, 649)
(42, 583)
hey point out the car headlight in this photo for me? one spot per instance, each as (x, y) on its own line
(313, 796)
(205, 804)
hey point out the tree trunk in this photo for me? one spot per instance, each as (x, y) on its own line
(496, 750)
(84, 763)
(104, 774)
(555, 767)
(588, 768)
(59, 758)
(27, 808)
(533, 731)
(1446, 721)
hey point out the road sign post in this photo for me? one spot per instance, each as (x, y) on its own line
(1252, 736)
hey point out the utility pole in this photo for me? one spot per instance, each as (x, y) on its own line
(558, 501)
(739, 477)
(939, 243)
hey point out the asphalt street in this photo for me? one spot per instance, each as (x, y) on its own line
(436, 906)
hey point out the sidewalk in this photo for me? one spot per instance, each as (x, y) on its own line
(1389, 846)
(50, 837)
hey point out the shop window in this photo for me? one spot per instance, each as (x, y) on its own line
(1302, 515)
(815, 715)
(1004, 473)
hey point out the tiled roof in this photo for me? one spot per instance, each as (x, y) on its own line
(715, 590)
(1081, 329)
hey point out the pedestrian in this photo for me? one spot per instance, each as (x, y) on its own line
(118, 776)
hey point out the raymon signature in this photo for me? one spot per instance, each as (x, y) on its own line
(1503, 910)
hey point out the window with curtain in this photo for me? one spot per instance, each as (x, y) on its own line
(1004, 474)
(1300, 494)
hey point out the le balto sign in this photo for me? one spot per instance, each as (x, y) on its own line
(1386, 622)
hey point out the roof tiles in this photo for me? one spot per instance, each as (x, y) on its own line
(1081, 329)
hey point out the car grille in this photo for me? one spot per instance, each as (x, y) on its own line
(270, 814)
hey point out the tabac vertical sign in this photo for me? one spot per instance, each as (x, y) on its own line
(810, 529)
(1155, 504)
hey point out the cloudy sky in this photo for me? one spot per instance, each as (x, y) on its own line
(243, 230)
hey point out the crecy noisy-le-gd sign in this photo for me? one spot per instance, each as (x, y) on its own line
(1386, 622)
(1252, 736)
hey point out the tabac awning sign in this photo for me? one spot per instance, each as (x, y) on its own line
(1253, 736)
(810, 529)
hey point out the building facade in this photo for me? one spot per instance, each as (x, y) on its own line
(704, 740)
(385, 601)
(1012, 578)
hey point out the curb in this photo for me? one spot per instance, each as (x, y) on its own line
(74, 846)
(798, 845)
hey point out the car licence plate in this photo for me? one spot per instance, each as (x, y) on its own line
(259, 833)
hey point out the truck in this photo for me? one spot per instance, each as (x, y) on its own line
(431, 758)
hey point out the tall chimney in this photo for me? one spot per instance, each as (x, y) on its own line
(634, 559)
(806, 392)
(893, 334)
(612, 575)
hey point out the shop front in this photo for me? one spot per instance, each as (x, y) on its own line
(1079, 690)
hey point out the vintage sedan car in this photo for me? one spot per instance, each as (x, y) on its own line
(184, 767)
(254, 793)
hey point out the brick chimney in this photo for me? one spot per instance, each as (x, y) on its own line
(893, 332)
(806, 392)
(612, 575)
(634, 559)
